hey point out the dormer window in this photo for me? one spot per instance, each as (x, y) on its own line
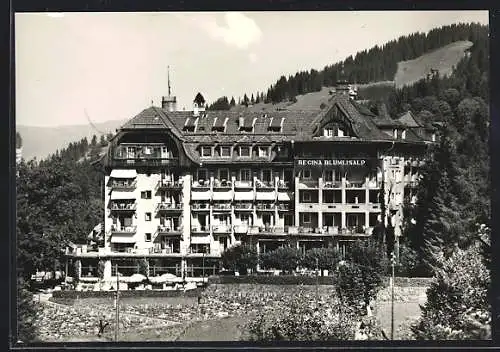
(276, 124)
(403, 134)
(246, 124)
(219, 124)
(244, 151)
(190, 124)
(340, 132)
(395, 133)
(225, 151)
(206, 151)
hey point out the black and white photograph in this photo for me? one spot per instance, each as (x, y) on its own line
(297, 176)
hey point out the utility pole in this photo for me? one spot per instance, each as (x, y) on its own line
(392, 294)
(117, 324)
(317, 278)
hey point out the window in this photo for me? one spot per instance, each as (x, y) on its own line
(223, 174)
(245, 175)
(148, 216)
(328, 132)
(202, 174)
(329, 175)
(225, 152)
(403, 135)
(267, 175)
(245, 151)
(306, 218)
(433, 137)
(340, 133)
(306, 197)
(206, 151)
(245, 219)
(148, 237)
(263, 152)
(146, 195)
(306, 174)
(395, 133)
(148, 150)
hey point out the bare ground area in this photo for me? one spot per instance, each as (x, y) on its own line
(180, 319)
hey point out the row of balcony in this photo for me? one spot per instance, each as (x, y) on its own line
(241, 206)
(315, 183)
(226, 184)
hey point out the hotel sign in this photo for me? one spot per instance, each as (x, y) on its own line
(330, 162)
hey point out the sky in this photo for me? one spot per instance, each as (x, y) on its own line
(76, 67)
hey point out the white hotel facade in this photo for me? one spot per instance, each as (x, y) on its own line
(181, 187)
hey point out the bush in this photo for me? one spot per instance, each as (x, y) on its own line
(284, 258)
(240, 258)
(26, 313)
(327, 258)
(457, 306)
(362, 275)
(271, 280)
(299, 320)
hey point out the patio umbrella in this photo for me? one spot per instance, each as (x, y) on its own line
(157, 279)
(169, 277)
(136, 278)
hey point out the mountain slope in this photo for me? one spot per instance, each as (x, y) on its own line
(443, 60)
(40, 142)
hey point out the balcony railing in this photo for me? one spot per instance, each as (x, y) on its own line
(222, 184)
(123, 229)
(221, 228)
(265, 206)
(264, 184)
(222, 206)
(165, 184)
(169, 207)
(412, 184)
(123, 185)
(200, 229)
(332, 184)
(201, 184)
(283, 184)
(169, 229)
(240, 228)
(355, 184)
(272, 229)
(243, 206)
(119, 162)
(200, 206)
(309, 183)
(123, 206)
(243, 184)
(284, 206)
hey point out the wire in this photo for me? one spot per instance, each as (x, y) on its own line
(91, 123)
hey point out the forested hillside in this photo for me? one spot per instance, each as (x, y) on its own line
(379, 63)
(59, 200)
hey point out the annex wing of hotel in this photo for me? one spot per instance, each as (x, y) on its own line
(180, 187)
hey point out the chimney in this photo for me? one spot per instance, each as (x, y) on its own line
(169, 103)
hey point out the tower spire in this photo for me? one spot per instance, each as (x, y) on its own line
(168, 74)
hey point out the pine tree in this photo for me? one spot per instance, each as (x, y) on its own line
(232, 103)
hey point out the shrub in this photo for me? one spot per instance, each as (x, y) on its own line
(240, 258)
(284, 258)
(327, 258)
(299, 320)
(26, 313)
(457, 306)
(361, 276)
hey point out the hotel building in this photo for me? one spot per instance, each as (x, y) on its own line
(183, 186)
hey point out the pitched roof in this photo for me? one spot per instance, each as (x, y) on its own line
(408, 119)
